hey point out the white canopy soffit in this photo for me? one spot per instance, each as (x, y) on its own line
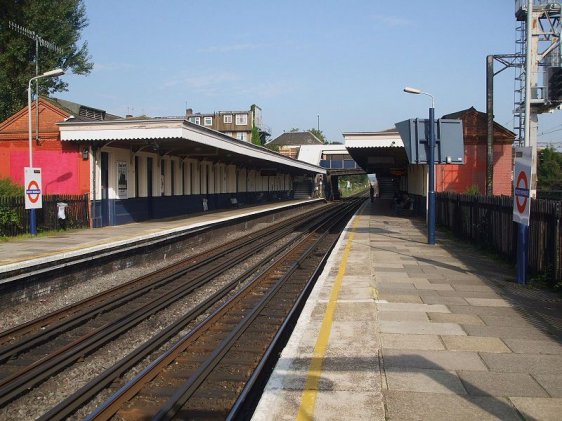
(382, 153)
(184, 136)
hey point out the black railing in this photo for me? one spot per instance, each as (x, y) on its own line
(14, 218)
(488, 221)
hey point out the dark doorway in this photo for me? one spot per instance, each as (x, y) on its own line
(149, 164)
(104, 189)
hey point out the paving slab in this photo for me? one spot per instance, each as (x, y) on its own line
(488, 302)
(421, 328)
(407, 316)
(475, 344)
(539, 408)
(491, 311)
(419, 380)
(406, 342)
(426, 308)
(523, 363)
(462, 319)
(506, 332)
(552, 383)
(446, 407)
(439, 299)
(436, 360)
(401, 298)
(507, 321)
(478, 383)
(529, 346)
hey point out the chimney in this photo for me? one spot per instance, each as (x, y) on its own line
(189, 112)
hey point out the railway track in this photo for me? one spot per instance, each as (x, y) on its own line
(33, 352)
(210, 372)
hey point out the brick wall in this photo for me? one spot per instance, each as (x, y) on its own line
(63, 170)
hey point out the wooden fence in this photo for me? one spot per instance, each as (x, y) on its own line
(14, 218)
(488, 221)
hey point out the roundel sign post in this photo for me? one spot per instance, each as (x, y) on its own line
(32, 192)
(522, 186)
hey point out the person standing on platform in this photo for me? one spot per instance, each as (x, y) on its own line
(372, 192)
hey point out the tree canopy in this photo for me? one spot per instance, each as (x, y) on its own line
(58, 22)
(550, 169)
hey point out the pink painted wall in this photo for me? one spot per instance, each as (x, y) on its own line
(59, 169)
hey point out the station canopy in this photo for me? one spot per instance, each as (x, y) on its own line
(380, 153)
(179, 137)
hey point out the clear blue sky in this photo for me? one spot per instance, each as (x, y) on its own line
(346, 61)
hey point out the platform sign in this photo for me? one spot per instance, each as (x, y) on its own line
(522, 185)
(449, 140)
(32, 184)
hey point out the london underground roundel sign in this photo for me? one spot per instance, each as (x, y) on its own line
(33, 194)
(521, 185)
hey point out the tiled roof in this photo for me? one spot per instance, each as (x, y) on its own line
(82, 112)
(296, 138)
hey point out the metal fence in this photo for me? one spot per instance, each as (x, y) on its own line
(14, 218)
(488, 221)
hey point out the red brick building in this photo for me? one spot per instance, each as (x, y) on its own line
(472, 175)
(64, 170)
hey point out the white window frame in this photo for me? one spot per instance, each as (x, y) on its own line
(227, 119)
(197, 120)
(207, 121)
(241, 119)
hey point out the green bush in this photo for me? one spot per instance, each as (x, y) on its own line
(472, 190)
(8, 218)
(9, 189)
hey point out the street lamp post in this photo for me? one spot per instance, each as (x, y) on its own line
(430, 164)
(50, 73)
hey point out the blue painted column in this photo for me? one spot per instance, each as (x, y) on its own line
(522, 253)
(431, 187)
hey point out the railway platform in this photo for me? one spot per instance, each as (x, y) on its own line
(397, 329)
(23, 255)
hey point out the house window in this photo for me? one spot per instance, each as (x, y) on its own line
(227, 118)
(207, 121)
(242, 136)
(241, 119)
(196, 120)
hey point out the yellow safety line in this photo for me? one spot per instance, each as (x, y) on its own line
(310, 392)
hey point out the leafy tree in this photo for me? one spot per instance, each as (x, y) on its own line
(550, 169)
(256, 138)
(59, 22)
(319, 135)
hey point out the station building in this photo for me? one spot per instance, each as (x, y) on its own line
(383, 153)
(134, 169)
(163, 167)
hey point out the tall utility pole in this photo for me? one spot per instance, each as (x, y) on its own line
(540, 75)
(38, 42)
(507, 60)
